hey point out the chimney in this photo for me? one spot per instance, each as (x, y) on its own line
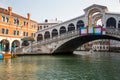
(10, 10)
(28, 16)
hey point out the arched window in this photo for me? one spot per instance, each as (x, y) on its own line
(39, 37)
(54, 32)
(71, 27)
(62, 30)
(80, 24)
(111, 22)
(47, 35)
(119, 24)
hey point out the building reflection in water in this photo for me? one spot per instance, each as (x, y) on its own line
(17, 70)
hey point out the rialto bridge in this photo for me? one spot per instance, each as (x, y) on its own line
(96, 23)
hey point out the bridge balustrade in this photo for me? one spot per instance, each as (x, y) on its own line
(113, 31)
(54, 39)
(70, 34)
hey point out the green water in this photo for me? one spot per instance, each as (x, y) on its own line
(105, 67)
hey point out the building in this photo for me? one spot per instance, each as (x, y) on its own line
(46, 24)
(101, 45)
(14, 27)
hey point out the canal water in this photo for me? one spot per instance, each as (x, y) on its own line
(105, 66)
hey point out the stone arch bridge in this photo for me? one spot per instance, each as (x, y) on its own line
(96, 23)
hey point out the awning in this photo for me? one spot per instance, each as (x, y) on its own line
(28, 39)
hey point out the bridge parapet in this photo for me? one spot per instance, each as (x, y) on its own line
(69, 35)
(66, 35)
(113, 31)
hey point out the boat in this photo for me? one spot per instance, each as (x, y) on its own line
(91, 51)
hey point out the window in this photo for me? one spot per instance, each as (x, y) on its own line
(23, 33)
(26, 33)
(31, 34)
(17, 32)
(16, 21)
(3, 30)
(14, 32)
(44, 26)
(7, 19)
(34, 34)
(24, 23)
(7, 31)
(40, 27)
(32, 26)
(3, 19)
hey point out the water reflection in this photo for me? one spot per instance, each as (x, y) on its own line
(61, 68)
(17, 70)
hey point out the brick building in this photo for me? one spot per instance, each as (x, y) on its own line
(14, 27)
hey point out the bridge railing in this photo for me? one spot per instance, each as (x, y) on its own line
(113, 31)
(60, 37)
(54, 39)
(70, 34)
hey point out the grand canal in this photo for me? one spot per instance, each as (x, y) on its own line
(61, 67)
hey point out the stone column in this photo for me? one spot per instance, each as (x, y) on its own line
(117, 21)
(10, 45)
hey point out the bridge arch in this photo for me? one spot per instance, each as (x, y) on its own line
(97, 19)
(71, 27)
(47, 35)
(71, 45)
(62, 30)
(39, 37)
(111, 22)
(80, 24)
(119, 24)
(54, 32)
(91, 13)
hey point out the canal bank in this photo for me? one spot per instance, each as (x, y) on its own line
(95, 54)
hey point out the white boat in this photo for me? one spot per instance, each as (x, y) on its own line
(91, 51)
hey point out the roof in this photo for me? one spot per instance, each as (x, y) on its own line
(47, 23)
(95, 5)
(5, 11)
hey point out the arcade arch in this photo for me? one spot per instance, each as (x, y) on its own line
(54, 32)
(39, 37)
(80, 24)
(5, 45)
(119, 24)
(47, 35)
(62, 30)
(111, 22)
(93, 16)
(15, 43)
(71, 27)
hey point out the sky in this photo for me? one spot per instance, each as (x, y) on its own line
(51, 9)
